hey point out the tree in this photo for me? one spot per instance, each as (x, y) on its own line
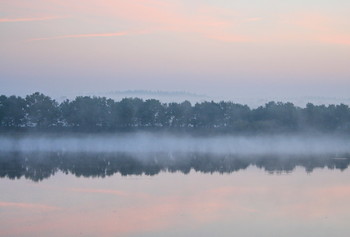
(42, 111)
(125, 112)
(235, 116)
(3, 100)
(151, 113)
(12, 112)
(208, 115)
(87, 113)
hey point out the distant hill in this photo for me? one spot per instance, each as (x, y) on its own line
(155, 93)
(164, 96)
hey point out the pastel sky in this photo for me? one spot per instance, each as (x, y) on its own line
(221, 47)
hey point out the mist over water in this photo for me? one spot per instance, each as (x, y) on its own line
(140, 143)
(72, 179)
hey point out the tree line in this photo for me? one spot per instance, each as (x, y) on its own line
(40, 112)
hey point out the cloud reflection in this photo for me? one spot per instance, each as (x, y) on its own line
(176, 202)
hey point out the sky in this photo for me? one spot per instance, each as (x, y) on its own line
(218, 48)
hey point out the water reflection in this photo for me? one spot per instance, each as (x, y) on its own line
(40, 166)
(244, 203)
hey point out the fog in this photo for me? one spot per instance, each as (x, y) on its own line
(140, 143)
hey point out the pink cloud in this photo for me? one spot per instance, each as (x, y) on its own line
(253, 19)
(335, 39)
(29, 19)
(314, 21)
(80, 36)
(27, 206)
(229, 38)
(314, 26)
(206, 21)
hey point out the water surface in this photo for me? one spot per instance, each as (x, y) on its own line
(121, 195)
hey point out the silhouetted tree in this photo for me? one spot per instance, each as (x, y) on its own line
(13, 114)
(86, 113)
(41, 110)
(151, 113)
(126, 110)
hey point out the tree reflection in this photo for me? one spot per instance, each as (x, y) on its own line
(40, 166)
